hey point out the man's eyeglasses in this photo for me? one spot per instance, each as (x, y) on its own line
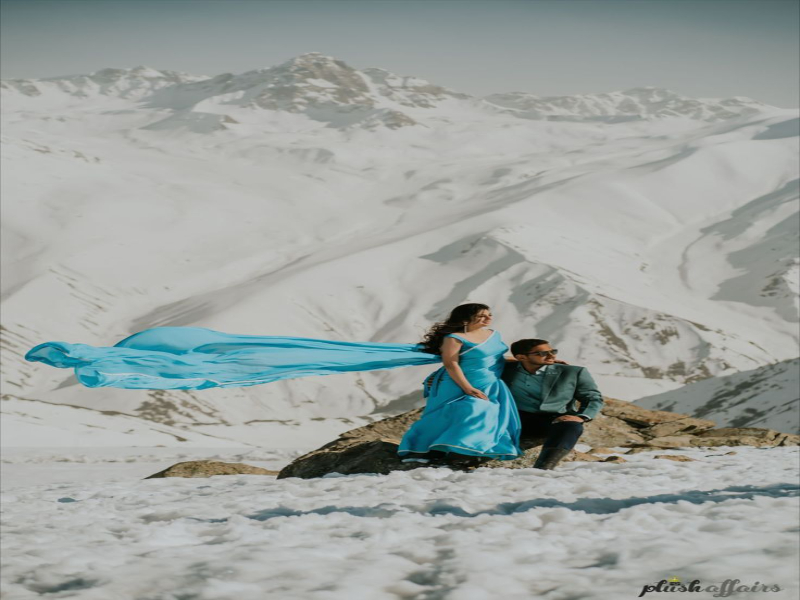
(544, 353)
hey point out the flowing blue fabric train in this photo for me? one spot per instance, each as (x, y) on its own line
(193, 358)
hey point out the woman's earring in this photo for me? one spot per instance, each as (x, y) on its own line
(465, 326)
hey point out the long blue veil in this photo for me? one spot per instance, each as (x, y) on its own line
(193, 358)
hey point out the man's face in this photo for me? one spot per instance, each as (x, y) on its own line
(538, 356)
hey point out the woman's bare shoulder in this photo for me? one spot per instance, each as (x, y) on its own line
(453, 337)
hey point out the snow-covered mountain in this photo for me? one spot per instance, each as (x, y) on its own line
(322, 88)
(317, 200)
(636, 103)
(763, 397)
(329, 91)
(130, 84)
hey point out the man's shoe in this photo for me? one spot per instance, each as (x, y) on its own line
(549, 458)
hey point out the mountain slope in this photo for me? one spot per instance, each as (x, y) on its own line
(764, 397)
(632, 104)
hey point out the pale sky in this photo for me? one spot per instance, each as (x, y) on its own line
(700, 48)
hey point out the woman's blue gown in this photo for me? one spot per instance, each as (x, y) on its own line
(455, 422)
(195, 358)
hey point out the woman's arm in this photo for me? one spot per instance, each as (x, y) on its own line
(450, 350)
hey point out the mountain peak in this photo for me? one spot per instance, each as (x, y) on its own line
(313, 56)
(314, 60)
(140, 71)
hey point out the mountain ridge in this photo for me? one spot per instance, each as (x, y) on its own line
(328, 90)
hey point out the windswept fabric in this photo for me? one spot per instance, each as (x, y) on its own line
(193, 358)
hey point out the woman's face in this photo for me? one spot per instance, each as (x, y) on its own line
(483, 318)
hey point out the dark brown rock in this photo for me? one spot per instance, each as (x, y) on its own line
(675, 457)
(671, 441)
(636, 415)
(373, 448)
(350, 457)
(684, 425)
(746, 436)
(610, 432)
(601, 450)
(640, 449)
(209, 468)
(391, 429)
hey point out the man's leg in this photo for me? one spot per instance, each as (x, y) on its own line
(563, 434)
(561, 438)
(534, 427)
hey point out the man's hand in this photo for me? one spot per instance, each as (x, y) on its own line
(567, 418)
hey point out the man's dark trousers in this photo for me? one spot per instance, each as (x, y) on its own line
(563, 434)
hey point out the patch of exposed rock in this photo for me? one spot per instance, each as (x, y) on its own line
(209, 468)
(373, 448)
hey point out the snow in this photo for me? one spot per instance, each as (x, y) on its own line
(586, 530)
(320, 83)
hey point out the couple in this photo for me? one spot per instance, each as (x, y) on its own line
(470, 409)
(480, 404)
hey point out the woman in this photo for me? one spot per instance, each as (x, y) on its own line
(469, 411)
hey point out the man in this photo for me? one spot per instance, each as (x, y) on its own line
(554, 400)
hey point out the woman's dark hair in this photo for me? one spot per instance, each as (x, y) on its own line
(459, 317)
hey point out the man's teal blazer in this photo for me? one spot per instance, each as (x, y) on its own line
(567, 389)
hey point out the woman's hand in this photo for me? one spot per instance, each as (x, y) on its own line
(475, 392)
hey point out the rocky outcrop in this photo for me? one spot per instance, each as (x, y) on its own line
(373, 448)
(745, 436)
(209, 468)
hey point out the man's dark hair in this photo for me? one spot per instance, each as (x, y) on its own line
(525, 346)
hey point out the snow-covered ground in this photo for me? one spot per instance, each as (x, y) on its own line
(588, 531)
